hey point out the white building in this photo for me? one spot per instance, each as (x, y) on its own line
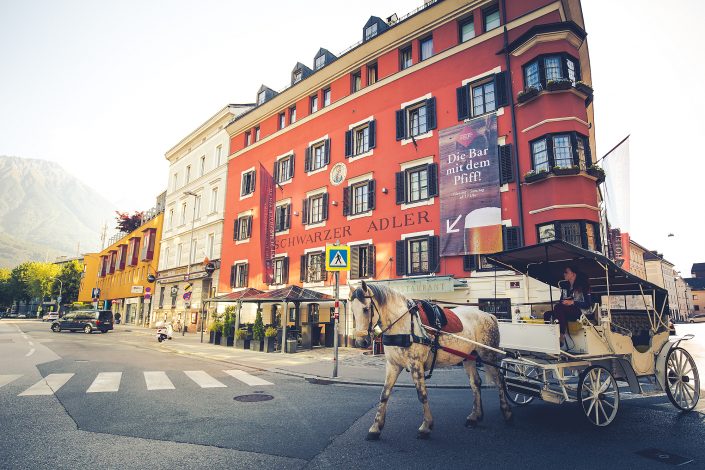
(659, 271)
(193, 219)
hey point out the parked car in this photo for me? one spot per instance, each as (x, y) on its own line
(84, 320)
(700, 317)
(51, 316)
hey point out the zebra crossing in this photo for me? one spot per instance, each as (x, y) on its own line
(109, 382)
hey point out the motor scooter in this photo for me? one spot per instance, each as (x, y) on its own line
(164, 331)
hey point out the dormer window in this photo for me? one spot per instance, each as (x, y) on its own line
(261, 98)
(370, 31)
(320, 62)
(298, 75)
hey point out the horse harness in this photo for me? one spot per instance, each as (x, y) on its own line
(436, 319)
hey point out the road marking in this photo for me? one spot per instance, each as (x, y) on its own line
(243, 376)
(31, 351)
(48, 385)
(203, 379)
(106, 382)
(30, 343)
(158, 381)
(6, 379)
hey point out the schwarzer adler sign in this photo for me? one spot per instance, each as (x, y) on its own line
(471, 216)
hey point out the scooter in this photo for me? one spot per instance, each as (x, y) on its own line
(164, 332)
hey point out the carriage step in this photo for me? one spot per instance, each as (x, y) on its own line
(552, 397)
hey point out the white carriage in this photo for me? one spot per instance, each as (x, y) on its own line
(619, 344)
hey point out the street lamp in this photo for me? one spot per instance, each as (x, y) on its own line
(190, 253)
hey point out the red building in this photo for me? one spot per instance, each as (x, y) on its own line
(353, 144)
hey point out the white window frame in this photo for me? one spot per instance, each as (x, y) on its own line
(410, 106)
(411, 164)
(242, 180)
(309, 195)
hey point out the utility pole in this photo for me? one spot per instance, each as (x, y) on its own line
(190, 257)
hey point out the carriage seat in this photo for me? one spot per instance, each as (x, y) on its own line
(637, 323)
(433, 315)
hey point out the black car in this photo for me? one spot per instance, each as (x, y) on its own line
(85, 320)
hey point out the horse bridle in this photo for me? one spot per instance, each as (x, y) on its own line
(378, 327)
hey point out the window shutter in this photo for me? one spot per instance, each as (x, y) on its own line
(401, 257)
(371, 195)
(253, 181)
(505, 164)
(304, 212)
(549, 151)
(434, 254)
(373, 134)
(401, 124)
(469, 263)
(324, 273)
(275, 175)
(431, 113)
(401, 190)
(285, 271)
(346, 200)
(511, 237)
(326, 153)
(287, 217)
(150, 248)
(500, 89)
(303, 268)
(588, 153)
(354, 262)
(371, 261)
(307, 160)
(249, 226)
(463, 99)
(574, 148)
(232, 276)
(236, 228)
(291, 166)
(432, 179)
(348, 143)
(246, 276)
(325, 206)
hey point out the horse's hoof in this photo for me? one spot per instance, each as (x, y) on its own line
(372, 436)
(423, 435)
(470, 423)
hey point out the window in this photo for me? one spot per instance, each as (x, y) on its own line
(326, 97)
(569, 150)
(248, 138)
(483, 99)
(360, 197)
(247, 186)
(500, 308)
(491, 18)
(370, 31)
(161, 296)
(197, 210)
(282, 120)
(209, 245)
(238, 275)
(183, 213)
(176, 180)
(362, 261)
(148, 242)
(371, 74)
(314, 103)
(319, 62)
(218, 153)
(262, 97)
(284, 169)
(292, 115)
(551, 67)
(315, 209)
(426, 48)
(179, 249)
(243, 227)
(298, 75)
(417, 184)
(281, 271)
(355, 81)
(584, 234)
(214, 200)
(313, 267)
(466, 29)
(416, 119)
(405, 60)
(418, 255)
(188, 174)
(282, 217)
(203, 166)
(361, 139)
(317, 155)
(257, 134)
(171, 218)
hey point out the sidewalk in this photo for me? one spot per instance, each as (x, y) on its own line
(354, 367)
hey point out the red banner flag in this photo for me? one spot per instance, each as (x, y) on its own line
(266, 221)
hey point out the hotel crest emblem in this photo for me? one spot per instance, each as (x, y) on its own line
(338, 174)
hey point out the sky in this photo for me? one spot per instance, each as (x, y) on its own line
(105, 88)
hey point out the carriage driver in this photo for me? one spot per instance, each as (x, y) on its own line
(575, 300)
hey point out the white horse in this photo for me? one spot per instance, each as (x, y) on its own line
(391, 311)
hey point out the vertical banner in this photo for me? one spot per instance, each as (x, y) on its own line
(471, 215)
(266, 223)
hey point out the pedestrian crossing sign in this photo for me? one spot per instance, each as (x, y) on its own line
(337, 258)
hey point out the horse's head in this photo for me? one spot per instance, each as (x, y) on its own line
(364, 314)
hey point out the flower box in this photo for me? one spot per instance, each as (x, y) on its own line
(560, 84)
(527, 94)
(573, 170)
(583, 87)
(532, 176)
(597, 172)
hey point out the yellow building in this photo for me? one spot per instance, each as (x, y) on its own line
(121, 271)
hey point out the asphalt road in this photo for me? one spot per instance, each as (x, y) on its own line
(302, 426)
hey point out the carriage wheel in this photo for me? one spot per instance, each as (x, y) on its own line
(512, 371)
(682, 379)
(598, 395)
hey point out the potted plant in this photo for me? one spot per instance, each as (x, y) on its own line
(526, 94)
(584, 88)
(597, 172)
(270, 337)
(217, 329)
(559, 84)
(229, 326)
(566, 170)
(257, 333)
(241, 339)
(533, 175)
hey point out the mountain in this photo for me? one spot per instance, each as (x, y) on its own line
(46, 212)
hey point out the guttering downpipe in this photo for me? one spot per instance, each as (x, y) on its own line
(515, 150)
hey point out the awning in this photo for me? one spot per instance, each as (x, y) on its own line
(289, 294)
(235, 296)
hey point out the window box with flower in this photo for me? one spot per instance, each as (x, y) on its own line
(559, 84)
(596, 172)
(566, 170)
(533, 175)
(527, 94)
(583, 87)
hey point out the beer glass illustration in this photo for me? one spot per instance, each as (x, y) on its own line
(483, 231)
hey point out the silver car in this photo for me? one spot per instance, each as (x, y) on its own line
(700, 317)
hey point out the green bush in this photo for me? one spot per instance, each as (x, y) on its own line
(216, 326)
(258, 327)
(270, 332)
(228, 320)
(240, 334)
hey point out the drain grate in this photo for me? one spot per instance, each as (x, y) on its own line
(664, 457)
(252, 398)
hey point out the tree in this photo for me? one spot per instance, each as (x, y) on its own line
(128, 223)
(258, 327)
(5, 288)
(70, 277)
(19, 282)
(40, 280)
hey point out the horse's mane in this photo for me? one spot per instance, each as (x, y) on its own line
(382, 294)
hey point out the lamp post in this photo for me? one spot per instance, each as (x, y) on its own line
(58, 299)
(190, 254)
